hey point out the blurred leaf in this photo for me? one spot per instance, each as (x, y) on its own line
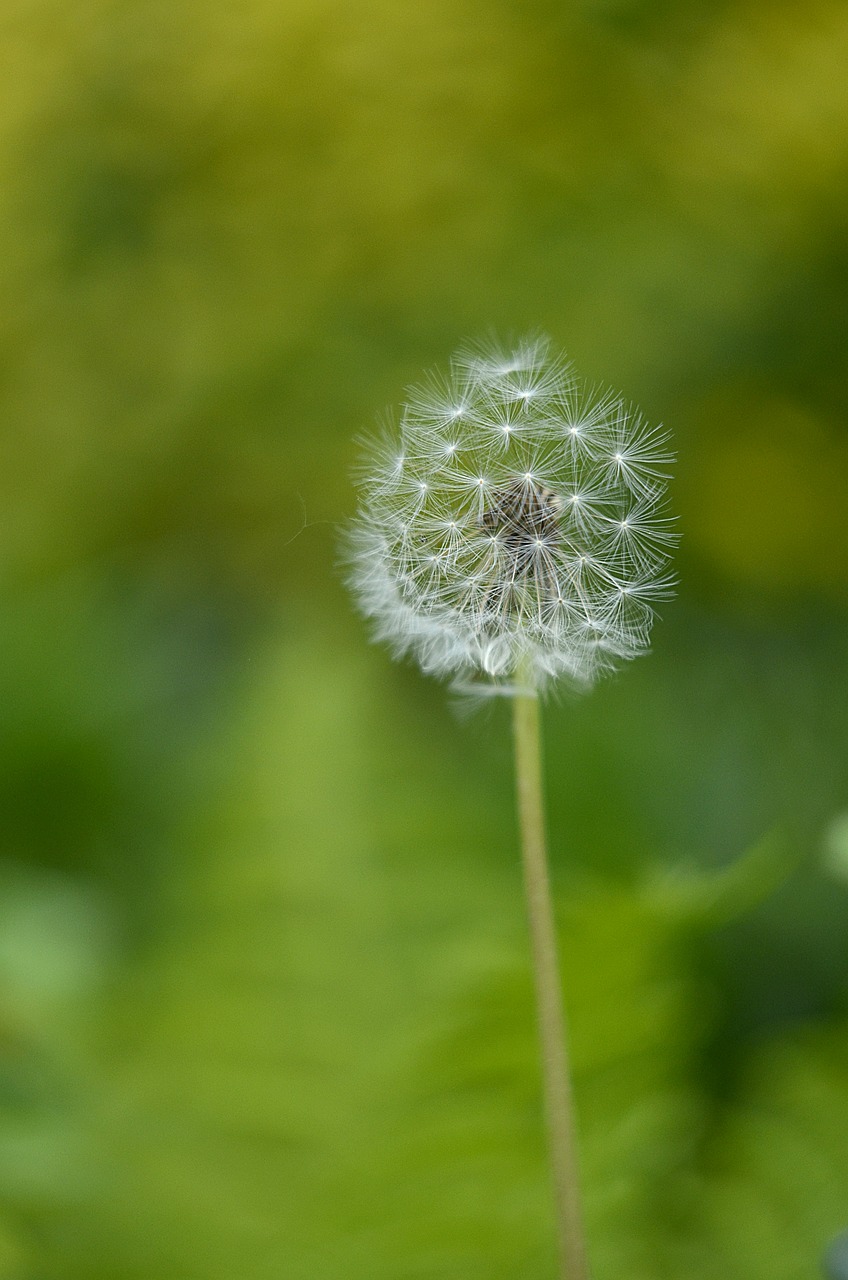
(836, 848)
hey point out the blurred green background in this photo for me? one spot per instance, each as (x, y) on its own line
(265, 1006)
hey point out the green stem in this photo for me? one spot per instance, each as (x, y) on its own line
(559, 1108)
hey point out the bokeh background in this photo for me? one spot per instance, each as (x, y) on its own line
(265, 1005)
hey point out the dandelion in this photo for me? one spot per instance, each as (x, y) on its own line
(512, 532)
(513, 528)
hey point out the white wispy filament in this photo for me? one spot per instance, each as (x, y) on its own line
(513, 523)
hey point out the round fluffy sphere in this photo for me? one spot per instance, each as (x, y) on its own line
(513, 525)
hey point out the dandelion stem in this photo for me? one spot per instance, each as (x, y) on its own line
(559, 1108)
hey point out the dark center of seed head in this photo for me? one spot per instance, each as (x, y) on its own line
(523, 511)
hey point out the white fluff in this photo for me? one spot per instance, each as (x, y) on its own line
(513, 523)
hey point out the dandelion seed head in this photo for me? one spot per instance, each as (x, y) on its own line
(513, 524)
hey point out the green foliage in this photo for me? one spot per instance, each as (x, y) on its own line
(327, 1053)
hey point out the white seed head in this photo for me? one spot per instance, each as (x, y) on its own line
(513, 523)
